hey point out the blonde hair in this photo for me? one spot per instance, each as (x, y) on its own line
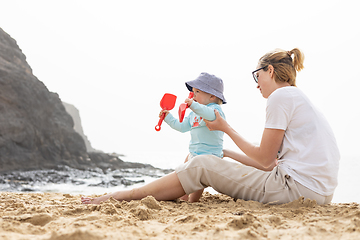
(218, 101)
(285, 67)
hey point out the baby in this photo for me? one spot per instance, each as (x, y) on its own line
(208, 96)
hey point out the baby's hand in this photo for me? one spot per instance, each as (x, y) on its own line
(189, 101)
(163, 111)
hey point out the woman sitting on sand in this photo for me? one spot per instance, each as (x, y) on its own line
(298, 155)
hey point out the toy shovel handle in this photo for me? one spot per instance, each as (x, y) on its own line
(183, 107)
(158, 126)
(191, 95)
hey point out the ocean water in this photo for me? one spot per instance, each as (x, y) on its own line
(73, 181)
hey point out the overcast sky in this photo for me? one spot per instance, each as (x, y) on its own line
(114, 60)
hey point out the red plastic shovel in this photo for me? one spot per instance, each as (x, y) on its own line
(183, 107)
(167, 103)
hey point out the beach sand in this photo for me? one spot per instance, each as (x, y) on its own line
(58, 216)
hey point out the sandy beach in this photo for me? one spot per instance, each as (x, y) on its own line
(56, 216)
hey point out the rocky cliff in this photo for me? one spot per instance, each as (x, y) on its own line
(75, 114)
(36, 132)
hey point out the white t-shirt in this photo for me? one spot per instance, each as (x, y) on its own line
(309, 153)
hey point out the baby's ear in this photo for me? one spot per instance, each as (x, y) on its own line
(213, 98)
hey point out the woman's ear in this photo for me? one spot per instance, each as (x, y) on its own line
(271, 70)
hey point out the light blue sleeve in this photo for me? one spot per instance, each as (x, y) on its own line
(174, 123)
(206, 112)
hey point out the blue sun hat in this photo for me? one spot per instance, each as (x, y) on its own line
(208, 83)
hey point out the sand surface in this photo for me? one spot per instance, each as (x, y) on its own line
(62, 216)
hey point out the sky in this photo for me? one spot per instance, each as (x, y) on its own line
(114, 60)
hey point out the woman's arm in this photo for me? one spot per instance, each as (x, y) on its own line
(242, 158)
(265, 154)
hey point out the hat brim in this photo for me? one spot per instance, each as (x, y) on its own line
(194, 84)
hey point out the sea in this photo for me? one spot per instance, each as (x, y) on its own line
(96, 181)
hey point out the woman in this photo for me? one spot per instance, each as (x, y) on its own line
(297, 156)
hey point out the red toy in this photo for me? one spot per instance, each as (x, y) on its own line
(167, 103)
(183, 108)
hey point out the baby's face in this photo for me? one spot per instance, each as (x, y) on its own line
(202, 97)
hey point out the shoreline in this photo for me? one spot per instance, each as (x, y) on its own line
(56, 216)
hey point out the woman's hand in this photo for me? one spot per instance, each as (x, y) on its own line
(219, 124)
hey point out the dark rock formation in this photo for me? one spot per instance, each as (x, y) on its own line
(75, 114)
(36, 132)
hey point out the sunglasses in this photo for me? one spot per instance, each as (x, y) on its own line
(254, 74)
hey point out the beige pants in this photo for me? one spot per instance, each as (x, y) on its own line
(243, 182)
